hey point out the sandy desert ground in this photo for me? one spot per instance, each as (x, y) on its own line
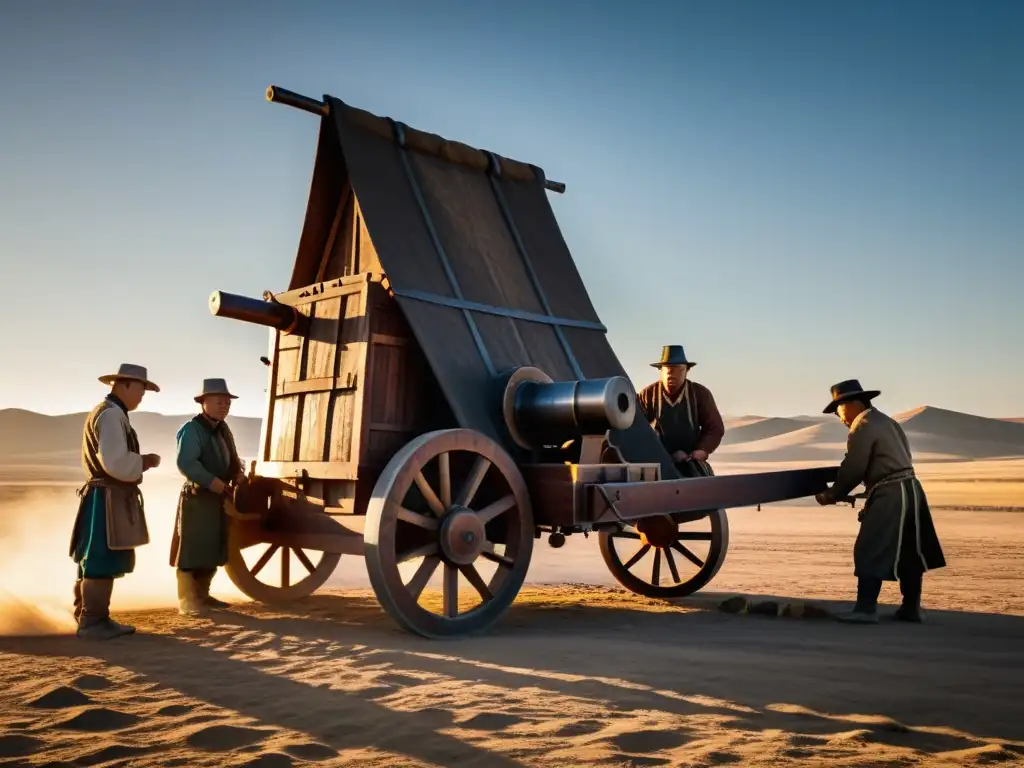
(579, 672)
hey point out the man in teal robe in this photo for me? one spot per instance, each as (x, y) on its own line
(111, 520)
(208, 459)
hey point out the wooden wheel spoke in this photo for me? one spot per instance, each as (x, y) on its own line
(306, 563)
(656, 568)
(433, 504)
(422, 576)
(264, 559)
(636, 558)
(693, 536)
(451, 591)
(428, 493)
(422, 521)
(286, 564)
(489, 553)
(672, 566)
(473, 577)
(445, 479)
(476, 476)
(498, 507)
(426, 550)
(688, 554)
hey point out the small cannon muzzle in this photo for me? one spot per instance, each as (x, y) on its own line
(269, 313)
(544, 412)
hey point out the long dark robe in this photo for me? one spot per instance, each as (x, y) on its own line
(205, 451)
(897, 534)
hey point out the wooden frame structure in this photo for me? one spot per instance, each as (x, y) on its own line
(441, 390)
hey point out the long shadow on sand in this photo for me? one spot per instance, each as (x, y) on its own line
(343, 720)
(950, 684)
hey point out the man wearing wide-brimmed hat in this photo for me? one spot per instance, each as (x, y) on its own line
(683, 413)
(208, 459)
(897, 539)
(111, 520)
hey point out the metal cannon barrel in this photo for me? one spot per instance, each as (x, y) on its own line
(551, 413)
(249, 310)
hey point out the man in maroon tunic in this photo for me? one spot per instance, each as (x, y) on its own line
(683, 413)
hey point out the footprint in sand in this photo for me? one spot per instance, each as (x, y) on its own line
(807, 741)
(91, 683)
(649, 741)
(60, 697)
(174, 710)
(580, 728)
(636, 761)
(269, 760)
(721, 758)
(311, 751)
(98, 719)
(224, 738)
(17, 745)
(113, 752)
(490, 721)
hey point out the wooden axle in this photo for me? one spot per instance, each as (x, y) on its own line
(625, 501)
(279, 95)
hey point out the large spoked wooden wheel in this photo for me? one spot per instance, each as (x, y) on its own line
(273, 573)
(665, 557)
(450, 505)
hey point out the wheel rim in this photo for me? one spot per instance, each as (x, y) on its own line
(667, 564)
(275, 573)
(455, 502)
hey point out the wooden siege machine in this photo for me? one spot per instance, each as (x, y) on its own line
(441, 393)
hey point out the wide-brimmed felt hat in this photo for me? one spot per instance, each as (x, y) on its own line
(673, 354)
(129, 372)
(848, 390)
(214, 387)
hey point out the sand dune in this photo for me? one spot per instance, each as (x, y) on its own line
(935, 434)
(824, 441)
(964, 426)
(47, 447)
(36, 445)
(761, 429)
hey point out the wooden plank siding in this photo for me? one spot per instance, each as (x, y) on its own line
(351, 392)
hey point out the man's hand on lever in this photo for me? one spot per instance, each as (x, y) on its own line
(680, 456)
(699, 455)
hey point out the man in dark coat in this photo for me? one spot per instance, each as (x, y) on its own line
(683, 413)
(897, 539)
(208, 459)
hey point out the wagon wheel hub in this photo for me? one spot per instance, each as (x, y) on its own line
(660, 531)
(462, 535)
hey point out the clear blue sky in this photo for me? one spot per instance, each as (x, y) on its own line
(798, 192)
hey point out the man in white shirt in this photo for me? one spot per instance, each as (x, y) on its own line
(111, 519)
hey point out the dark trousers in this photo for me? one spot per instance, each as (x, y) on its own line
(910, 586)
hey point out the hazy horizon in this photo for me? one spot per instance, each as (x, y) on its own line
(728, 167)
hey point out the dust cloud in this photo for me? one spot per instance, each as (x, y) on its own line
(37, 575)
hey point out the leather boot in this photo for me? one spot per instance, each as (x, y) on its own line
(95, 621)
(910, 609)
(189, 603)
(866, 609)
(203, 581)
(78, 600)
